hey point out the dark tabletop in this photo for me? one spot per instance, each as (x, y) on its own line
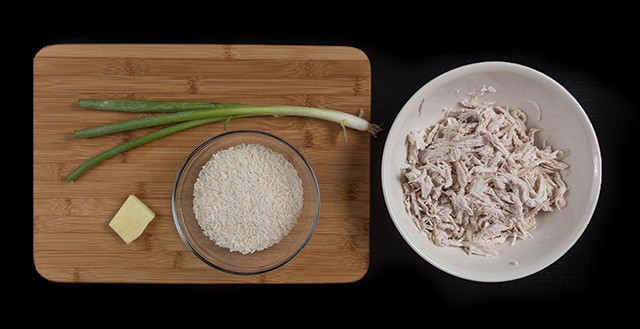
(600, 72)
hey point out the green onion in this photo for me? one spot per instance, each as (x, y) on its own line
(191, 114)
(345, 119)
(138, 106)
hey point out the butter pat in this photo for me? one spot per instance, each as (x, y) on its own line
(132, 218)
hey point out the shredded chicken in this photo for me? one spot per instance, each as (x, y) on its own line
(476, 179)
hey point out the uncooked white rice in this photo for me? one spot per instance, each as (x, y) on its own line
(247, 198)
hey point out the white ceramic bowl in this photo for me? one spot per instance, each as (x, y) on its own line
(563, 122)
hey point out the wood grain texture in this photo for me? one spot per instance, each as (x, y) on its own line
(71, 238)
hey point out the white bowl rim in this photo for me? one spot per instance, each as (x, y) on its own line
(511, 67)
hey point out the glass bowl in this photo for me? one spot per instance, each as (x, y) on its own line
(222, 258)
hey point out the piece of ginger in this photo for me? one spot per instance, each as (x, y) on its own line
(132, 218)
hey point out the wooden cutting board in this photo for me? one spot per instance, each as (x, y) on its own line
(72, 241)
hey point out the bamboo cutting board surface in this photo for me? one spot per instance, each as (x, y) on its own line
(72, 241)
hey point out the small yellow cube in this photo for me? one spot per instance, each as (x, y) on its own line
(132, 218)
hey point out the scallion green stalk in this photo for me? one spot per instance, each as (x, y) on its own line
(139, 106)
(137, 142)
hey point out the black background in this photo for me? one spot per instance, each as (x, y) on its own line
(584, 55)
